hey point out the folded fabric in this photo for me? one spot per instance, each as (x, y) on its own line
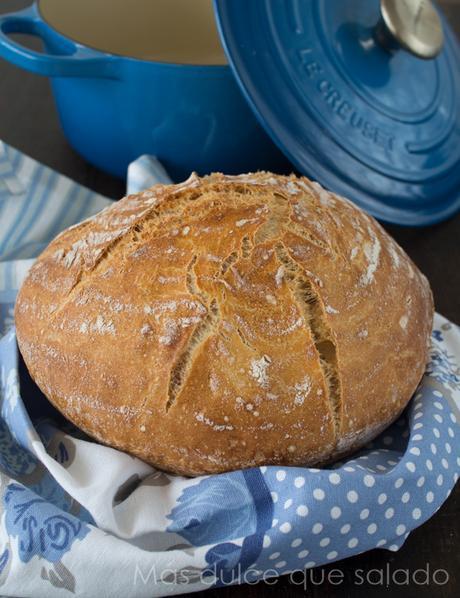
(36, 203)
(79, 517)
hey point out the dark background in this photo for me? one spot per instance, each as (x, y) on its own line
(28, 121)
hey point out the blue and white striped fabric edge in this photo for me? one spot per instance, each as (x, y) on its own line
(36, 203)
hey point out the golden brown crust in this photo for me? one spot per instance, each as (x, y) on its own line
(227, 322)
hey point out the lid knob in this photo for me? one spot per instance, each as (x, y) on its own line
(410, 24)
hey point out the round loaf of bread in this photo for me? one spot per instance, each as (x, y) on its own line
(227, 322)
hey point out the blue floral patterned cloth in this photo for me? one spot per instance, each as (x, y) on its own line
(78, 517)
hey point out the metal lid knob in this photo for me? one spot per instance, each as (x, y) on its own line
(413, 25)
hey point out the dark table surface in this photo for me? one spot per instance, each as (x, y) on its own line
(28, 121)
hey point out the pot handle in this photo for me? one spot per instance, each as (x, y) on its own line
(73, 60)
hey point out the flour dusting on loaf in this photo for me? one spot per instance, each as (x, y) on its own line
(227, 322)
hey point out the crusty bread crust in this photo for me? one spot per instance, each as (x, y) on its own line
(227, 322)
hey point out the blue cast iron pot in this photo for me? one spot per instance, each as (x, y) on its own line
(115, 108)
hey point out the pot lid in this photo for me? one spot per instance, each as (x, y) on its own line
(363, 96)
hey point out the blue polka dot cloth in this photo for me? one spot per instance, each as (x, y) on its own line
(78, 517)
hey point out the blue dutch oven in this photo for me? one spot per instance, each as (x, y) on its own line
(114, 108)
(362, 95)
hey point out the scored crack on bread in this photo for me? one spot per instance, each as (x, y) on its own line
(227, 322)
